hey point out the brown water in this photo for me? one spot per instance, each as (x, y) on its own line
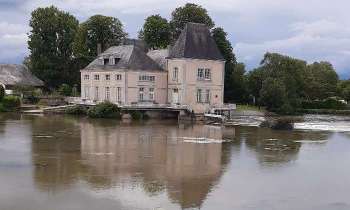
(65, 163)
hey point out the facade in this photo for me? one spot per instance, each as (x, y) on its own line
(190, 73)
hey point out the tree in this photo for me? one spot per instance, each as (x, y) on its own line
(188, 13)
(255, 79)
(273, 94)
(321, 81)
(50, 44)
(290, 71)
(156, 32)
(235, 81)
(98, 29)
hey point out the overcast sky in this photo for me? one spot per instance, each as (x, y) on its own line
(312, 30)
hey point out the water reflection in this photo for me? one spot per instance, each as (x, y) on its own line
(110, 154)
(147, 161)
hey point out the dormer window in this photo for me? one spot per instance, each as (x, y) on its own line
(116, 61)
(106, 61)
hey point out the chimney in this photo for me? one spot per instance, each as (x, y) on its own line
(99, 48)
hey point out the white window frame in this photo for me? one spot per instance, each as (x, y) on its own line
(175, 74)
(207, 74)
(107, 93)
(151, 94)
(141, 94)
(119, 94)
(86, 77)
(118, 77)
(97, 77)
(108, 77)
(199, 95)
(200, 74)
(96, 97)
(86, 91)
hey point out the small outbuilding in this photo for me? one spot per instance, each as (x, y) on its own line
(13, 75)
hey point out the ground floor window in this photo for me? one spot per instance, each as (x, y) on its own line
(96, 94)
(107, 93)
(141, 94)
(86, 91)
(203, 96)
(151, 94)
(119, 94)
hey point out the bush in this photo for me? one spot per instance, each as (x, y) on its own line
(2, 92)
(65, 90)
(77, 110)
(10, 103)
(104, 110)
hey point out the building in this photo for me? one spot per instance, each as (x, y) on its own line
(13, 76)
(189, 73)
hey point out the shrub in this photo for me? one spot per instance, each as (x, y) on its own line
(2, 92)
(104, 110)
(65, 90)
(77, 110)
(11, 102)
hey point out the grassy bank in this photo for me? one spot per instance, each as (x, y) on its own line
(324, 111)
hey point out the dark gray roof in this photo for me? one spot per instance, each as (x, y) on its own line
(12, 74)
(159, 56)
(195, 41)
(131, 58)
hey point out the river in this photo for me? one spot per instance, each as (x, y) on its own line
(69, 163)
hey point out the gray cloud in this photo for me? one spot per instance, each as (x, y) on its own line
(312, 30)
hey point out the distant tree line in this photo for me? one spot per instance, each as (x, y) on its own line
(60, 46)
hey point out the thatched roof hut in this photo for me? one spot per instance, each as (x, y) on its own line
(17, 75)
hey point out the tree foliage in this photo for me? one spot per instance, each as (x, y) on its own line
(50, 44)
(188, 13)
(98, 29)
(321, 81)
(156, 32)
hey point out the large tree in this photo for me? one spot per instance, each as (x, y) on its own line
(188, 13)
(235, 81)
(98, 30)
(50, 44)
(321, 81)
(156, 32)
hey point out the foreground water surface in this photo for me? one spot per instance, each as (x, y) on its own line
(58, 162)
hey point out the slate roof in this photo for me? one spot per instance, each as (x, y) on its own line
(18, 75)
(159, 56)
(131, 58)
(196, 42)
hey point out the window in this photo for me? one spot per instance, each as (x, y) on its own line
(203, 96)
(108, 77)
(118, 77)
(200, 74)
(199, 95)
(151, 94)
(86, 77)
(107, 93)
(207, 74)
(86, 92)
(141, 96)
(116, 61)
(207, 96)
(97, 77)
(106, 61)
(146, 78)
(175, 73)
(119, 94)
(96, 94)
